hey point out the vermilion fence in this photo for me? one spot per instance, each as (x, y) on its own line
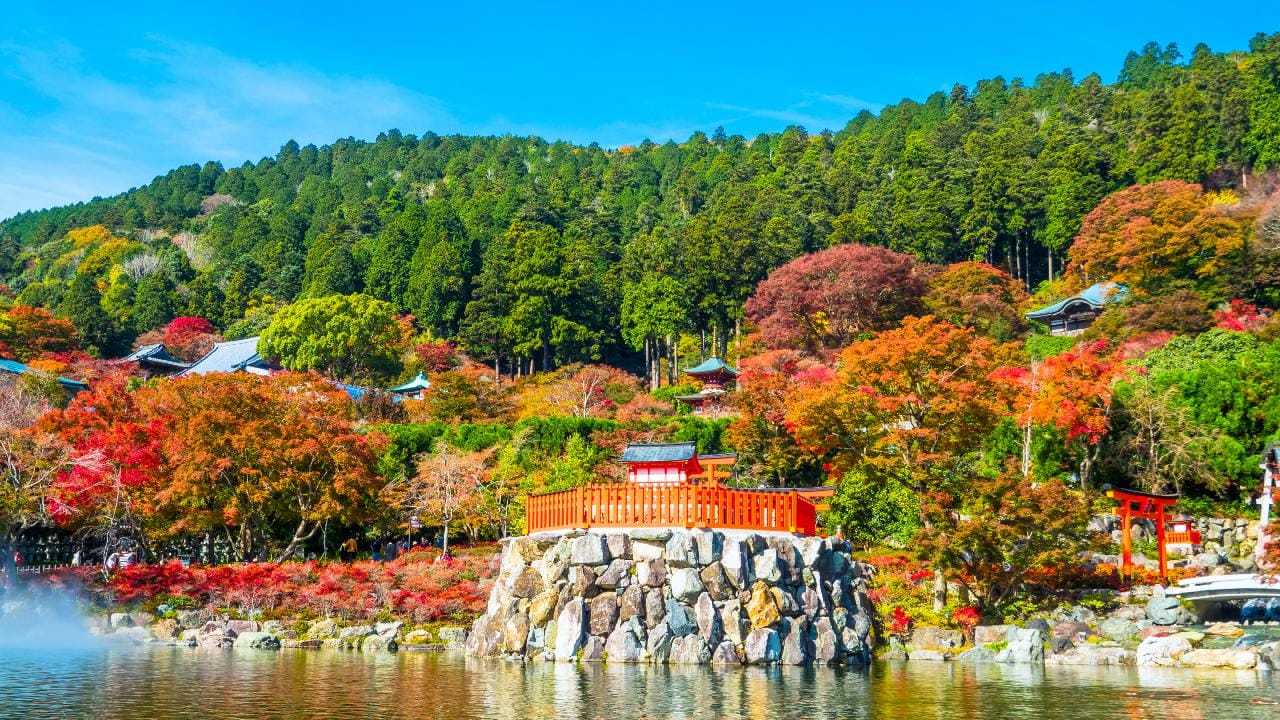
(652, 505)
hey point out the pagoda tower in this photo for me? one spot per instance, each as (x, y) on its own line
(718, 379)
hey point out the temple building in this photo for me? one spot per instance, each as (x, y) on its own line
(415, 389)
(718, 379)
(13, 367)
(1075, 314)
(230, 357)
(155, 360)
(661, 463)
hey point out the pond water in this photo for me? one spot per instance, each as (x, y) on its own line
(162, 683)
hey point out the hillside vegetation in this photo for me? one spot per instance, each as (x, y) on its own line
(534, 253)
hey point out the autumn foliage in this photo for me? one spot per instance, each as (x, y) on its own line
(416, 587)
(818, 303)
(1147, 235)
(264, 460)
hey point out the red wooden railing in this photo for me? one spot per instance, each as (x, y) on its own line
(654, 505)
(1189, 537)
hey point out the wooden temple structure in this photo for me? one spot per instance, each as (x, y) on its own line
(1137, 505)
(1075, 314)
(670, 485)
(718, 379)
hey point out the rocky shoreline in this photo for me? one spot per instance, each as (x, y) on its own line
(1146, 630)
(194, 628)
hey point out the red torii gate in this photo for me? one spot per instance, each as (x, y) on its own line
(1144, 506)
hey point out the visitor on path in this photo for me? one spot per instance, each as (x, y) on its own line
(389, 551)
(347, 553)
(113, 562)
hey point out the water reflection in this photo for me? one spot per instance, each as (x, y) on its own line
(164, 683)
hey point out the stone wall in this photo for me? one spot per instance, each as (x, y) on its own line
(677, 596)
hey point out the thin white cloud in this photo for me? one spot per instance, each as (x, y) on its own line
(102, 134)
(850, 103)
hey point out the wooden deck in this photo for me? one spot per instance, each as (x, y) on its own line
(630, 505)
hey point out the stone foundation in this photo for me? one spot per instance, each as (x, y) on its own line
(677, 596)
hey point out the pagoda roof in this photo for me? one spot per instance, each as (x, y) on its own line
(17, 368)
(659, 452)
(157, 354)
(418, 383)
(1095, 296)
(228, 357)
(711, 365)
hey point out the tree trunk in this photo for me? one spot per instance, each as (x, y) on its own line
(939, 591)
(8, 544)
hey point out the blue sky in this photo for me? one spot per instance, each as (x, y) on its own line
(96, 97)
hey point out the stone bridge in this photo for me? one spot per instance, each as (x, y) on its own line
(1203, 591)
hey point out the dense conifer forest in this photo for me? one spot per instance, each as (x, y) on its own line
(533, 254)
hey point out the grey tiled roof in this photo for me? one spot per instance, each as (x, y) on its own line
(227, 357)
(663, 452)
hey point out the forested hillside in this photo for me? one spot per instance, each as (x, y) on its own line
(537, 253)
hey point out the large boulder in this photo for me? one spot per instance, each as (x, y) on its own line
(1117, 629)
(686, 585)
(734, 622)
(716, 581)
(708, 619)
(734, 558)
(762, 608)
(934, 638)
(690, 650)
(796, 647)
(1163, 610)
(658, 645)
(651, 573)
(626, 643)
(1026, 645)
(603, 613)
(570, 630)
(452, 636)
(592, 649)
(631, 603)
(726, 653)
(1220, 658)
(486, 637)
(384, 643)
(655, 608)
(215, 635)
(543, 607)
(619, 545)
(241, 626)
(1227, 630)
(710, 545)
(616, 575)
(682, 550)
(528, 583)
(763, 646)
(767, 566)
(262, 640)
(1162, 651)
(589, 549)
(679, 619)
(165, 630)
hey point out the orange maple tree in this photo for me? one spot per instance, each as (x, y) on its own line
(263, 461)
(1071, 392)
(1146, 235)
(910, 406)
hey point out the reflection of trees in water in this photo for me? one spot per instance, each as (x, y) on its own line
(166, 683)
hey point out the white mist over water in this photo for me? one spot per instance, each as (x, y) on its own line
(38, 618)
